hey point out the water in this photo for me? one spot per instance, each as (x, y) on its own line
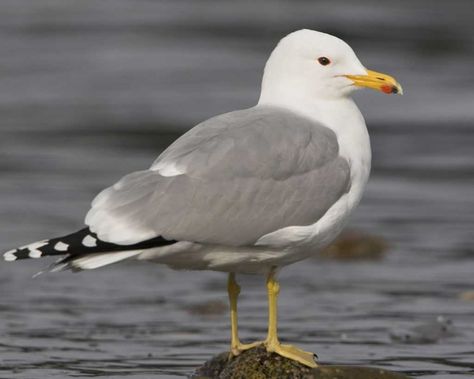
(92, 90)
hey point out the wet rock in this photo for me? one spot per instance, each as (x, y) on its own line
(354, 245)
(467, 296)
(429, 332)
(257, 363)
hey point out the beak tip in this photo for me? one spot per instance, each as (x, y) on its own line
(395, 89)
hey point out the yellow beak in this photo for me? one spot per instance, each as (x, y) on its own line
(377, 81)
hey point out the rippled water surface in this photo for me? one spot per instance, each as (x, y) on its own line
(92, 90)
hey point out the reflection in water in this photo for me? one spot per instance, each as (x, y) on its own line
(88, 95)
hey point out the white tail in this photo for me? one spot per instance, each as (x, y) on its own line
(93, 261)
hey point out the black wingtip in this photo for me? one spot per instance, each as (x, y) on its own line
(80, 243)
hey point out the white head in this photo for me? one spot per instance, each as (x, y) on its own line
(312, 65)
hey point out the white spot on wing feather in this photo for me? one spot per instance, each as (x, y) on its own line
(61, 246)
(34, 248)
(35, 254)
(89, 241)
(10, 256)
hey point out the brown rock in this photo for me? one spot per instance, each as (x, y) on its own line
(353, 245)
(257, 363)
(467, 295)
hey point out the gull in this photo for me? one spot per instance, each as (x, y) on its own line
(249, 191)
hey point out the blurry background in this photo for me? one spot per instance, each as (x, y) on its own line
(91, 90)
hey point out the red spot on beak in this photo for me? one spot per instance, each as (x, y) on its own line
(387, 89)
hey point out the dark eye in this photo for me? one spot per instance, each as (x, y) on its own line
(324, 61)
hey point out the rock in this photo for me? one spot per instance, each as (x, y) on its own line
(467, 296)
(257, 363)
(354, 245)
(428, 332)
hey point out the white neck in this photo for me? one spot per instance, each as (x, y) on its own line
(326, 111)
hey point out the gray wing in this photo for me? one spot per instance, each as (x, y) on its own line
(230, 180)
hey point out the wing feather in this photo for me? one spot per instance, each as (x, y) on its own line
(238, 176)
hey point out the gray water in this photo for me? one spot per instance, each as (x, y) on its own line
(91, 90)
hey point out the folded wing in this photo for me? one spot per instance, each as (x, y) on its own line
(229, 180)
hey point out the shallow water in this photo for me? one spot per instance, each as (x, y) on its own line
(87, 95)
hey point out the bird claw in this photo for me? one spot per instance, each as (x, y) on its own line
(291, 352)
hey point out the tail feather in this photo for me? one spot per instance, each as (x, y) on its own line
(82, 250)
(93, 261)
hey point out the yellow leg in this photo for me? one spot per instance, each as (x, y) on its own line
(236, 347)
(272, 343)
